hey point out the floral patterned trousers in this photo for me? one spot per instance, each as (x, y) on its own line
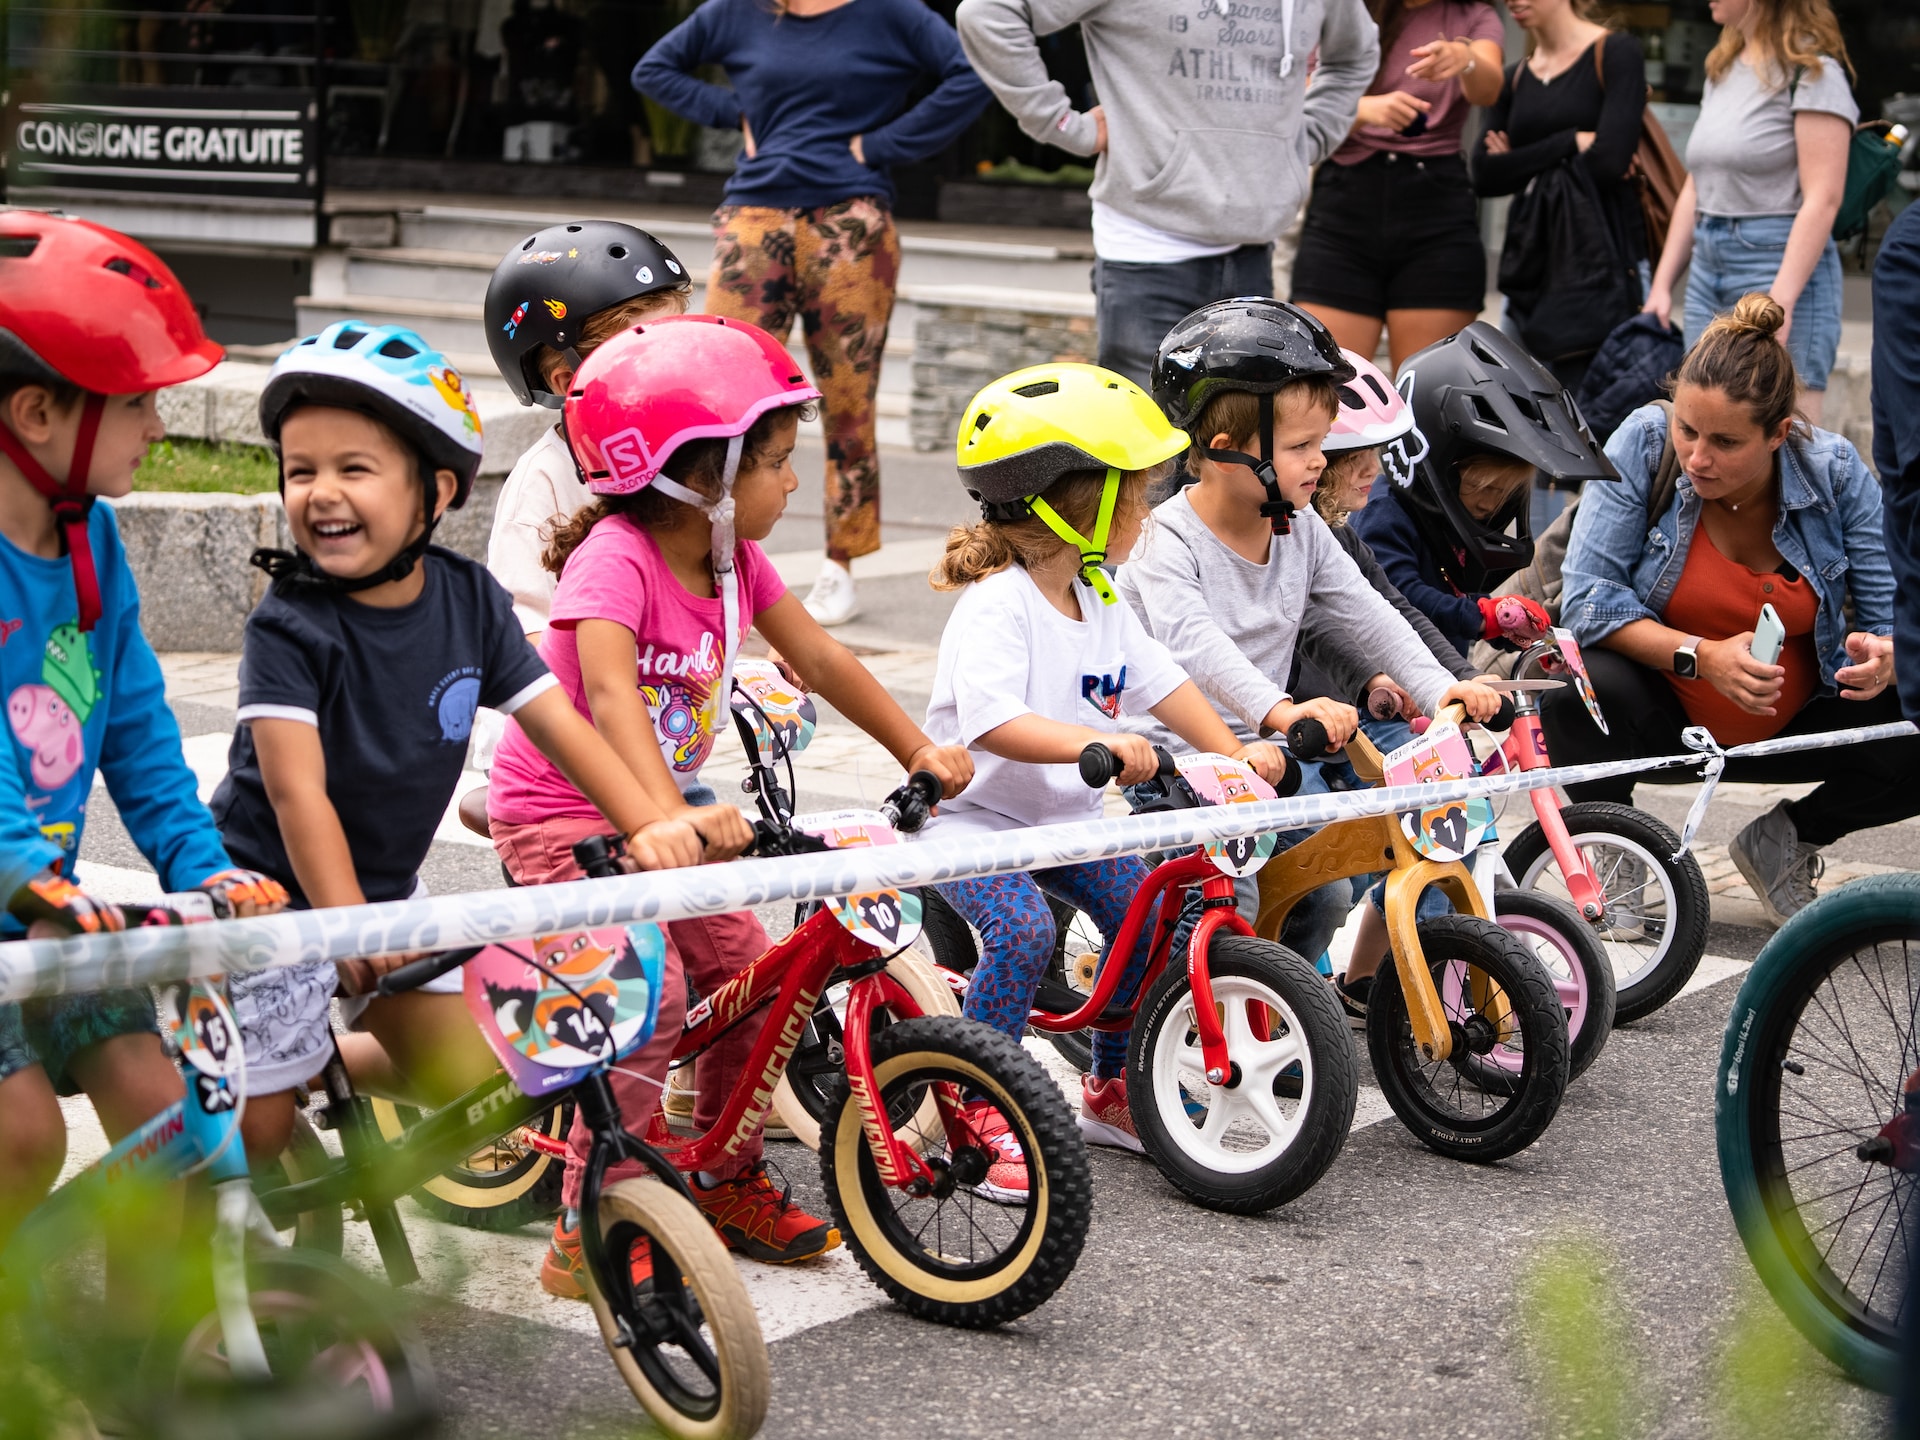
(836, 268)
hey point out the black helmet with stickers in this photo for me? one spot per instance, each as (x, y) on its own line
(556, 278)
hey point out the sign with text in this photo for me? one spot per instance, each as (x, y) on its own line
(160, 138)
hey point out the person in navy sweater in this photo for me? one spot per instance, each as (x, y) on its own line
(821, 93)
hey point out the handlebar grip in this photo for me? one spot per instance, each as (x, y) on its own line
(1383, 704)
(599, 856)
(1098, 766)
(906, 809)
(1503, 717)
(925, 785)
(1290, 780)
(1307, 738)
(416, 973)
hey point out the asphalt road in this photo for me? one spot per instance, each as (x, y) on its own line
(1391, 1300)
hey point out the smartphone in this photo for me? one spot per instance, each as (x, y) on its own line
(1768, 636)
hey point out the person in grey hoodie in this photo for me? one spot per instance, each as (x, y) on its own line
(1205, 132)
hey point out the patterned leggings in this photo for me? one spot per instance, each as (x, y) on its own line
(1011, 914)
(836, 267)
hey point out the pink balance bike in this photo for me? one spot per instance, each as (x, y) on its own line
(1623, 870)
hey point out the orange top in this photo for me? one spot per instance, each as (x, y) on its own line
(1717, 598)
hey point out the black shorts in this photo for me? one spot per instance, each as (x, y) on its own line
(1394, 232)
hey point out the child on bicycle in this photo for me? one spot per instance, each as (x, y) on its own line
(1460, 521)
(359, 676)
(684, 429)
(91, 325)
(1236, 564)
(1038, 660)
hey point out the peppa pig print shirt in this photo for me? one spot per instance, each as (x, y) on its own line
(85, 702)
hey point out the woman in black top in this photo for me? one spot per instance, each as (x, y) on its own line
(1576, 100)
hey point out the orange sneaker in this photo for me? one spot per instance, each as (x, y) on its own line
(563, 1271)
(1105, 1118)
(763, 1223)
(1008, 1180)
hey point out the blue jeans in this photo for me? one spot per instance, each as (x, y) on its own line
(1735, 257)
(1136, 305)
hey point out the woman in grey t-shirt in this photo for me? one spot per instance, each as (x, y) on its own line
(1769, 166)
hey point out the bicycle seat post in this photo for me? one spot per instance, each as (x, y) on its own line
(351, 1116)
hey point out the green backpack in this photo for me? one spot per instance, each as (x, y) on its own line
(1873, 165)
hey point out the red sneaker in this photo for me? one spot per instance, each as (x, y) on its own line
(1008, 1180)
(1105, 1118)
(563, 1271)
(761, 1222)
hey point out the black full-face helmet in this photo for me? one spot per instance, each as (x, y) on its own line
(1251, 343)
(1481, 393)
(548, 285)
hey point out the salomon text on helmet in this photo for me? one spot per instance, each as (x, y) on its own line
(554, 280)
(1481, 393)
(1255, 344)
(1026, 430)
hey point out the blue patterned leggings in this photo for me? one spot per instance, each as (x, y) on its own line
(1017, 929)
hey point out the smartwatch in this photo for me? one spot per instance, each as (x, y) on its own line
(1686, 660)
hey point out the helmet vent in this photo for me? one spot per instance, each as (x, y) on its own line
(618, 252)
(573, 229)
(1485, 413)
(17, 247)
(1350, 399)
(529, 242)
(1486, 353)
(1374, 385)
(1038, 388)
(398, 349)
(120, 265)
(348, 338)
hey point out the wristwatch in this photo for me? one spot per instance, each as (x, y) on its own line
(1686, 660)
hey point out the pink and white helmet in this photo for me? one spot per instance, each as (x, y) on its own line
(1371, 410)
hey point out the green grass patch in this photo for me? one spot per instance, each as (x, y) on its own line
(204, 465)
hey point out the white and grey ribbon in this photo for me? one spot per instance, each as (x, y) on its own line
(1696, 738)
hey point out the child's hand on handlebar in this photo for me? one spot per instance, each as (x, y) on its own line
(244, 893)
(667, 845)
(1382, 692)
(1135, 753)
(952, 765)
(728, 833)
(1339, 721)
(1266, 758)
(1481, 702)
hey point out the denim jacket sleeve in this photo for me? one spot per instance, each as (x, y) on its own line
(1858, 509)
(1609, 537)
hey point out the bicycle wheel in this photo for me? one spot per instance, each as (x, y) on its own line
(1075, 937)
(503, 1185)
(690, 1348)
(1819, 1044)
(1462, 1107)
(344, 1361)
(1654, 928)
(806, 1087)
(1571, 953)
(1270, 1134)
(952, 1255)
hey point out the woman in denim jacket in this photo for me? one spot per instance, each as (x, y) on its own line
(1767, 511)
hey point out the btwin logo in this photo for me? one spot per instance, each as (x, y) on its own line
(165, 1132)
(478, 1111)
(1103, 692)
(627, 456)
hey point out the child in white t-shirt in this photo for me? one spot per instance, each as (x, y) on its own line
(1038, 660)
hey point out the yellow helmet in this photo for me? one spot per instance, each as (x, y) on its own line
(1025, 430)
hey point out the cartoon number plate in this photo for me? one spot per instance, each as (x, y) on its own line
(790, 713)
(1216, 780)
(885, 919)
(196, 1016)
(1440, 832)
(548, 1035)
(1577, 671)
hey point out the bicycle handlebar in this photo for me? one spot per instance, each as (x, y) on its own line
(1308, 738)
(415, 973)
(907, 808)
(1099, 766)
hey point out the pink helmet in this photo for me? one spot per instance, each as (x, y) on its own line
(643, 394)
(1371, 410)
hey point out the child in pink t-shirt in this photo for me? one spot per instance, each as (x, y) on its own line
(685, 429)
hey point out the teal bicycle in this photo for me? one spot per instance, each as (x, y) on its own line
(255, 1338)
(1817, 1116)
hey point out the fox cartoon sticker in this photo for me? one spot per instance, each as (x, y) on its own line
(1103, 692)
(1220, 780)
(1439, 832)
(888, 920)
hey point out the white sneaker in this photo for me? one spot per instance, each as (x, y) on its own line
(831, 601)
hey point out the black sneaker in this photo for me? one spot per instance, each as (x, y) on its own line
(1353, 999)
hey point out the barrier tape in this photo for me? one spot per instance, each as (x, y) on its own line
(155, 955)
(1697, 738)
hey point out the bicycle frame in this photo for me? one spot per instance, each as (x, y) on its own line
(1525, 748)
(1360, 847)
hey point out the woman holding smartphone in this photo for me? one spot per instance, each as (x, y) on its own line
(1768, 512)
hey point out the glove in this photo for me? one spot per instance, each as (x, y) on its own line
(1513, 618)
(232, 889)
(50, 896)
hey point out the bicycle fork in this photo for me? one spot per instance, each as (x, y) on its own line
(1526, 747)
(1217, 913)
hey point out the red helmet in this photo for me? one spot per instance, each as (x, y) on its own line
(84, 304)
(643, 394)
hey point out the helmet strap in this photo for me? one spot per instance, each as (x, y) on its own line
(72, 505)
(1277, 508)
(296, 565)
(1093, 550)
(719, 515)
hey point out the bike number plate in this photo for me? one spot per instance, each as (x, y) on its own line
(195, 1014)
(1218, 780)
(885, 919)
(1439, 832)
(547, 1034)
(1577, 672)
(789, 712)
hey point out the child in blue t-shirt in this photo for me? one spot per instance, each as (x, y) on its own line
(360, 673)
(84, 693)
